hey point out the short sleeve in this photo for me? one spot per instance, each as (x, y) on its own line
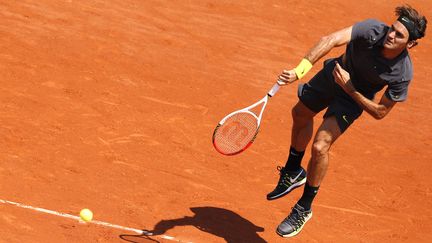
(397, 91)
(368, 31)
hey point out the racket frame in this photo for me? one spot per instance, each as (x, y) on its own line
(264, 100)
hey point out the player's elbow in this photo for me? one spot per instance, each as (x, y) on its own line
(379, 115)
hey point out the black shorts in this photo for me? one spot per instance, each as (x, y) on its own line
(323, 92)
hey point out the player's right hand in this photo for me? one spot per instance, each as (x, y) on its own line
(287, 77)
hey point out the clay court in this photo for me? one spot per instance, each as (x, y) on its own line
(110, 105)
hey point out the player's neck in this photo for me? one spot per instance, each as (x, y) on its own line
(391, 54)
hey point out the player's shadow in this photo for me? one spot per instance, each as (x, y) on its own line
(217, 221)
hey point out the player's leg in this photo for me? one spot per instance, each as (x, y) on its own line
(314, 96)
(302, 128)
(341, 113)
(326, 135)
(292, 175)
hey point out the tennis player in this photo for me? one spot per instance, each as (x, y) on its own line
(376, 57)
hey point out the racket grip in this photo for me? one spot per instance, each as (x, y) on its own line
(273, 90)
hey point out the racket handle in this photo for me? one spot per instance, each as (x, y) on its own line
(273, 90)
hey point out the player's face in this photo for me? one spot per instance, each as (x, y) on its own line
(397, 37)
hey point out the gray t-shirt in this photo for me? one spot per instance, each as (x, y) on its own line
(369, 70)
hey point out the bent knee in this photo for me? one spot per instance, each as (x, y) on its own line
(321, 147)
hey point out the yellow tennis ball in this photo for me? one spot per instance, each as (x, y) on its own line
(86, 215)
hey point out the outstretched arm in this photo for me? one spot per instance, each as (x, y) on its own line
(327, 43)
(377, 110)
(324, 46)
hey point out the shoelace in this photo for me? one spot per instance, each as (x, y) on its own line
(284, 179)
(296, 218)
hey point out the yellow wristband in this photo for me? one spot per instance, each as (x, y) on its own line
(304, 67)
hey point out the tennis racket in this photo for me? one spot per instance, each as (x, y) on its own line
(237, 131)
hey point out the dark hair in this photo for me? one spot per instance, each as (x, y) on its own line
(418, 20)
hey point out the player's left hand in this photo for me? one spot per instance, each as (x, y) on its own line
(343, 78)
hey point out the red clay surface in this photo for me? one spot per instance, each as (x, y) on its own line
(110, 105)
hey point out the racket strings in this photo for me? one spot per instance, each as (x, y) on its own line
(236, 133)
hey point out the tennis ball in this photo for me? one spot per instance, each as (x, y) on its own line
(86, 215)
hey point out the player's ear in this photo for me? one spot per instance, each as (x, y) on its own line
(411, 44)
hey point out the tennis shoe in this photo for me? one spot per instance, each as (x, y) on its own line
(293, 224)
(288, 181)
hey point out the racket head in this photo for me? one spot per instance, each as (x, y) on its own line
(236, 132)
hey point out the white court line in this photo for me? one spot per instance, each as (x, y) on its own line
(65, 215)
